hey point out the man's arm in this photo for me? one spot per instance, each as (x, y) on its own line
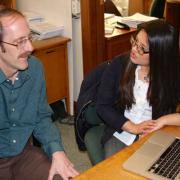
(61, 165)
(48, 134)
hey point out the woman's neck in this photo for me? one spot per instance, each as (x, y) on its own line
(143, 73)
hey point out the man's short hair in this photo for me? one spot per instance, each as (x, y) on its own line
(4, 12)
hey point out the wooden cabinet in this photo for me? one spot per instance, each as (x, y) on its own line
(53, 54)
(118, 42)
(9, 3)
(173, 12)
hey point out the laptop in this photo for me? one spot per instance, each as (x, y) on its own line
(158, 158)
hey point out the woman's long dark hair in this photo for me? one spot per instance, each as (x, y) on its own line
(164, 74)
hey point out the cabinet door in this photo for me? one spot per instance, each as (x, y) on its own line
(56, 73)
(9, 3)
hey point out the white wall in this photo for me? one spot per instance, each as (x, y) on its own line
(59, 13)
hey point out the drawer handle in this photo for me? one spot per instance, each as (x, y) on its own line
(50, 51)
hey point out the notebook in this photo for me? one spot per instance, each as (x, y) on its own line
(158, 158)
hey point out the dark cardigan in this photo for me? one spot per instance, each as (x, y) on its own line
(108, 95)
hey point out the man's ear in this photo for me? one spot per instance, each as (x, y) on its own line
(1, 34)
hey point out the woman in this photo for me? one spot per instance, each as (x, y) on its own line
(140, 92)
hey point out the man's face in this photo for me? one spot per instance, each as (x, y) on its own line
(15, 31)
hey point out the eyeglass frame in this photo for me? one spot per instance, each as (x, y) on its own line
(20, 44)
(141, 50)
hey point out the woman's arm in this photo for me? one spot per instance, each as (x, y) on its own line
(144, 127)
(108, 95)
(170, 119)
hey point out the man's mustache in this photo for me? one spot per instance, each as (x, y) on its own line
(24, 55)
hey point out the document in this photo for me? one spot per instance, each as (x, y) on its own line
(125, 137)
(137, 18)
(108, 15)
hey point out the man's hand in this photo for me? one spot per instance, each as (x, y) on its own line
(61, 165)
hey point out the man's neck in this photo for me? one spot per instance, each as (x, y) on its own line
(13, 76)
(9, 72)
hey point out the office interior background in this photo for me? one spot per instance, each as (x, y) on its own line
(67, 13)
(60, 13)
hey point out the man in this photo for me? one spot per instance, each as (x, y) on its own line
(24, 109)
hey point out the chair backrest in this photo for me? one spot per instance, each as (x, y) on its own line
(87, 95)
(157, 8)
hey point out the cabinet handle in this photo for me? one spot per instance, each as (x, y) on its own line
(50, 51)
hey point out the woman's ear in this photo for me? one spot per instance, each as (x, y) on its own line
(178, 108)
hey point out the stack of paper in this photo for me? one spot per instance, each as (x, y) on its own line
(33, 16)
(45, 29)
(137, 18)
(108, 15)
(108, 29)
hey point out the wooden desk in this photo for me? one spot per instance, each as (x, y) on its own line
(117, 43)
(111, 168)
(53, 54)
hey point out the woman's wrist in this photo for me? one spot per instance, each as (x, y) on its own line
(130, 127)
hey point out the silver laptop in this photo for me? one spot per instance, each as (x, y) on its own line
(158, 158)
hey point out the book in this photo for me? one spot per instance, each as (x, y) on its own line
(135, 19)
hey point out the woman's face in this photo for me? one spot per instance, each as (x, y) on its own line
(140, 49)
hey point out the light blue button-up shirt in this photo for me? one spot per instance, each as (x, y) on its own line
(24, 110)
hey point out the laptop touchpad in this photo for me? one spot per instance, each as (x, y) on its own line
(150, 150)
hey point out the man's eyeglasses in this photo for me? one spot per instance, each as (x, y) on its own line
(20, 43)
(141, 50)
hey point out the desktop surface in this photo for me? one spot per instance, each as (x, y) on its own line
(111, 168)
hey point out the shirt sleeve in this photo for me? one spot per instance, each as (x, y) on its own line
(45, 131)
(108, 95)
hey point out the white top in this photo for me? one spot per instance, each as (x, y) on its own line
(140, 111)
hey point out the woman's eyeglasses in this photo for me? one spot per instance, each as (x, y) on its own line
(141, 50)
(20, 43)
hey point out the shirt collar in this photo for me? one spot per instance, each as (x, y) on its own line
(2, 77)
(23, 74)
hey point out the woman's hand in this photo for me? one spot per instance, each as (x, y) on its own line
(170, 119)
(141, 128)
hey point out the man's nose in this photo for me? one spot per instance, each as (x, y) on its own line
(29, 47)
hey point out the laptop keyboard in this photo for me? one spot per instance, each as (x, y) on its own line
(168, 165)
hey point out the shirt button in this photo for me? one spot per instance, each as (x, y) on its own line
(12, 92)
(14, 141)
(14, 125)
(13, 109)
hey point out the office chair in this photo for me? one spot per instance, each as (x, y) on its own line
(109, 7)
(157, 8)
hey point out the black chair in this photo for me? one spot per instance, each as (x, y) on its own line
(157, 8)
